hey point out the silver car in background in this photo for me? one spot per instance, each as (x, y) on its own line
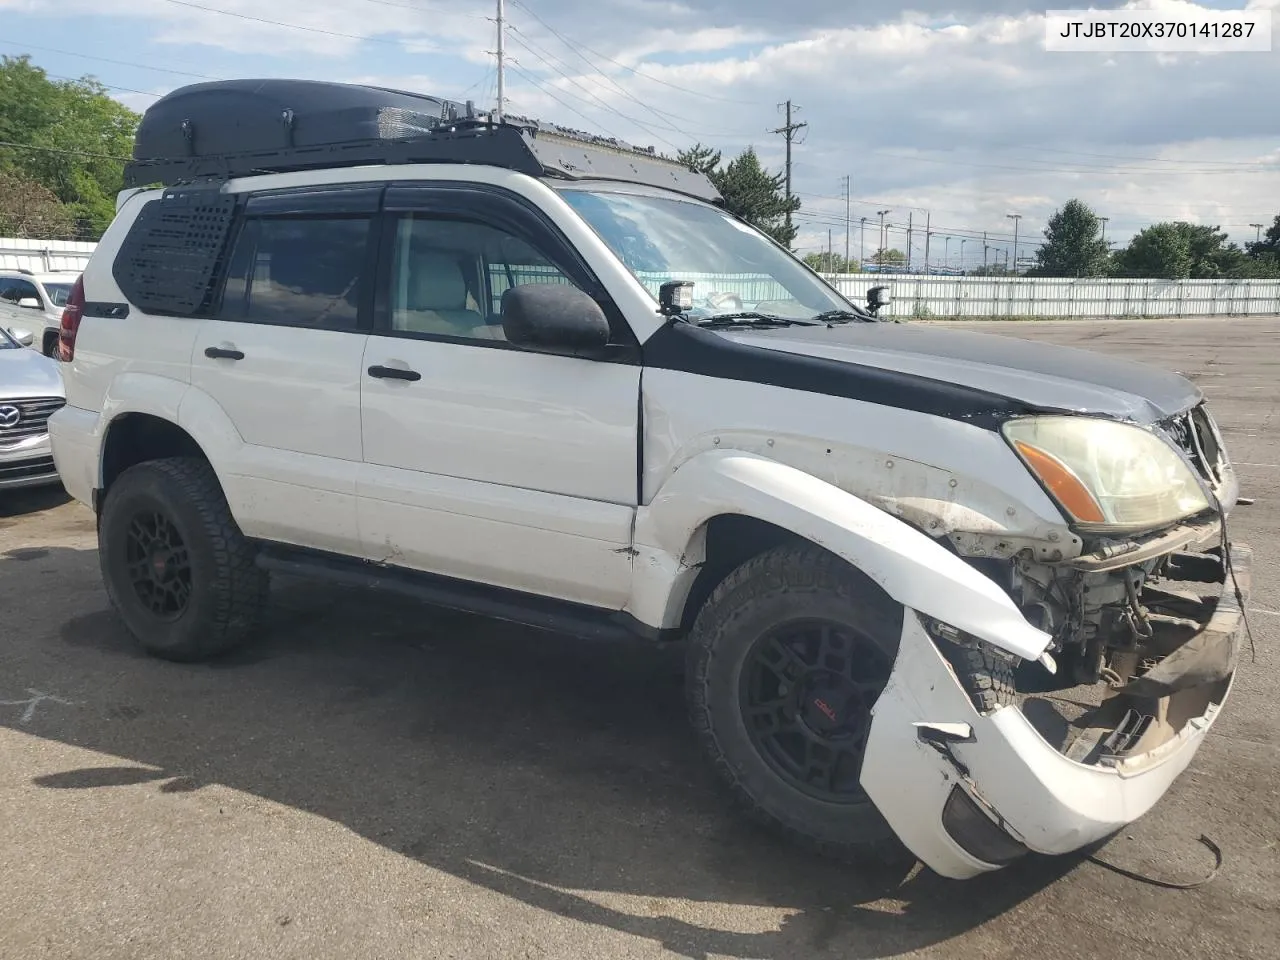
(30, 390)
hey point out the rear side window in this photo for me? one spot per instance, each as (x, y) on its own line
(15, 290)
(298, 272)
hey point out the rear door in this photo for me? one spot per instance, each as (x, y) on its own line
(282, 360)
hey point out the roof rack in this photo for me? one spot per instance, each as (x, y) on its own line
(236, 128)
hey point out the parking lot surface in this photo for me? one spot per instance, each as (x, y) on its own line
(378, 779)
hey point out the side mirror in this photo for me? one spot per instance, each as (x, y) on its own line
(24, 337)
(31, 303)
(553, 315)
(878, 297)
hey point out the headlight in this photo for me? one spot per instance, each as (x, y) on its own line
(1107, 475)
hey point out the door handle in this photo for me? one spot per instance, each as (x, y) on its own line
(393, 373)
(221, 353)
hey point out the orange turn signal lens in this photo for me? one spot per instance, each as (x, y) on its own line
(1062, 483)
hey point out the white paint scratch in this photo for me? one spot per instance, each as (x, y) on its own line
(36, 698)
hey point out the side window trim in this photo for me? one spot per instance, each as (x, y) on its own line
(502, 210)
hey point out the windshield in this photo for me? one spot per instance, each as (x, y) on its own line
(58, 293)
(732, 267)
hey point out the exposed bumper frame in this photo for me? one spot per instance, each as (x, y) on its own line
(1039, 797)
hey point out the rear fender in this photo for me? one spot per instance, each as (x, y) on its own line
(911, 567)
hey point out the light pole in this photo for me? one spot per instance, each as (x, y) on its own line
(946, 252)
(883, 241)
(1257, 232)
(862, 244)
(962, 243)
(1015, 217)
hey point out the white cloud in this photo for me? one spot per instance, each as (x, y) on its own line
(952, 106)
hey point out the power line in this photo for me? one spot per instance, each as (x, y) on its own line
(697, 93)
(1109, 171)
(119, 63)
(290, 26)
(108, 86)
(519, 39)
(62, 152)
(665, 116)
(532, 80)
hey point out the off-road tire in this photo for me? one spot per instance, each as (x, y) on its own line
(988, 679)
(228, 591)
(786, 583)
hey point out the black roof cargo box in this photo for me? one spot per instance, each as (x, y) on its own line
(231, 128)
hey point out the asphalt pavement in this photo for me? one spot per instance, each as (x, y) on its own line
(377, 779)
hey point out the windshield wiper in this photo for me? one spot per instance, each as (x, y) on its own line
(843, 316)
(747, 318)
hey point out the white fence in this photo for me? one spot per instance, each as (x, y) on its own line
(913, 295)
(43, 256)
(994, 297)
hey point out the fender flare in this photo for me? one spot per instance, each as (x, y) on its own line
(908, 565)
(176, 401)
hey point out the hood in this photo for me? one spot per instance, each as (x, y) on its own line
(1038, 374)
(27, 373)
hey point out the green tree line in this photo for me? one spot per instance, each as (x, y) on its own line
(1171, 250)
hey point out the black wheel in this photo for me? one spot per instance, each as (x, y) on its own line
(176, 567)
(786, 659)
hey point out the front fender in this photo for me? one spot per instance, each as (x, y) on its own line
(909, 566)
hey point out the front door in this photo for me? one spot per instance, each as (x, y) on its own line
(485, 461)
(282, 360)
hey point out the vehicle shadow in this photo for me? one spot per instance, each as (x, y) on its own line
(557, 773)
(28, 500)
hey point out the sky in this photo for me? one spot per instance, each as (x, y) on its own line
(945, 113)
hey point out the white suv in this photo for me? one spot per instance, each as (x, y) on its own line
(536, 375)
(34, 301)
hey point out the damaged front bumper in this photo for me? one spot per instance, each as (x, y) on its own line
(969, 791)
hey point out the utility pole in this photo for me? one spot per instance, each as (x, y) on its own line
(927, 234)
(1105, 221)
(909, 215)
(789, 132)
(883, 241)
(1015, 218)
(846, 222)
(828, 251)
(985, 248)
(1257, 232)
(502, 61)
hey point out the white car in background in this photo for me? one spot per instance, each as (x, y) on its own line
(30, 390)
(34, 301)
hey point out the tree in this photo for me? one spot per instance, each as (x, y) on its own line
(889, 258)
(73, 139)
(1160, 251)
(1073, 245)
(28, 209)
(1267, 250)
(833, 262)
(1180, 250)
(749, 190)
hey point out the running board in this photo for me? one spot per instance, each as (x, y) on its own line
(530, 610)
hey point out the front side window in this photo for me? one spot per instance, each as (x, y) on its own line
(732, 266)
(58, 293)
(448, 276)
(298, 271)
